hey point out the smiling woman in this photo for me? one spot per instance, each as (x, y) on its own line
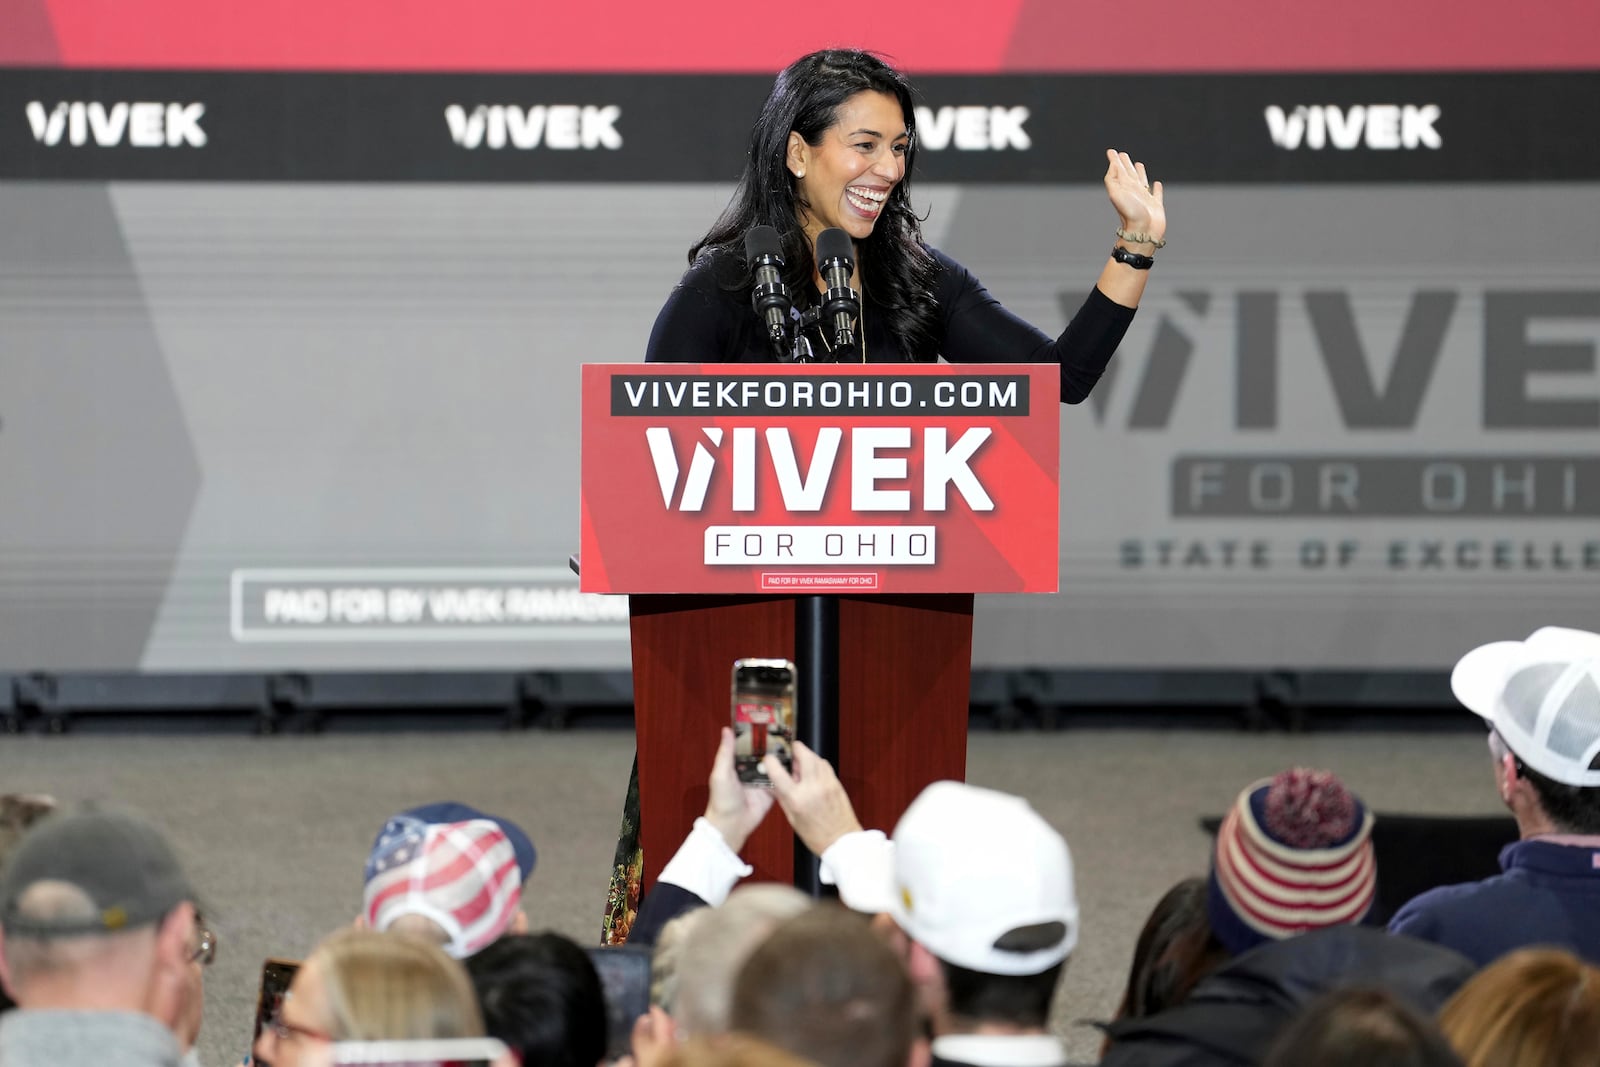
(845, 179)
(834, 148)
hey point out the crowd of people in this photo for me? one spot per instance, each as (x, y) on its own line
(945, 946)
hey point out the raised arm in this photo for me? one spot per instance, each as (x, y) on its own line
(1143, 213)
(978, 329)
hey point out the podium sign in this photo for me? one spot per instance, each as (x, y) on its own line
(802, 479)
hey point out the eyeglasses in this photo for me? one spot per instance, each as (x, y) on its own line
(285, 1031)
(206, 951)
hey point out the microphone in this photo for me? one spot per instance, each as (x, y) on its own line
(770, 297)
(840, 304)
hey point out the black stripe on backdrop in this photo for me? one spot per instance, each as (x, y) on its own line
(116, 125)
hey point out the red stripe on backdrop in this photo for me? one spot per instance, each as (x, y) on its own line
(734, 36)
(26, 36)
(515, 35)
(1180, 36)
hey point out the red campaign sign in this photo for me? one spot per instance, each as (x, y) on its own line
(784, 478)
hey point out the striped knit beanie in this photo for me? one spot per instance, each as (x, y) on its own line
(1294, 854)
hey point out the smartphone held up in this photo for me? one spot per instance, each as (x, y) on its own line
(763, 715)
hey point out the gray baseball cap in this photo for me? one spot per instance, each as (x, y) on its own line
(119, 860)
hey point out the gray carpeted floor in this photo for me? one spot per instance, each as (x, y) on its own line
(274, 831)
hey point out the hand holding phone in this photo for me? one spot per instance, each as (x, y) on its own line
(763, 715)
(814, 801)
(733, 807)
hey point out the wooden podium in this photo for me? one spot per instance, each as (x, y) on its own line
(905, 664)
(848, 536)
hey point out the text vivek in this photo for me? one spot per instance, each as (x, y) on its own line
(1376, 126)
(558, 126)
(142, 124)
(943, 465)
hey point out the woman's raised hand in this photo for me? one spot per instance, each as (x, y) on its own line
(1136, 198)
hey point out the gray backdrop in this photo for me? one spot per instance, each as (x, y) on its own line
(1311, 452)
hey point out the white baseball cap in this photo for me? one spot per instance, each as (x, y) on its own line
(972, 866)
(1542, 696)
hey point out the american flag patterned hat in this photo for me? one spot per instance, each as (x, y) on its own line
(452, 864)
(1294, 854)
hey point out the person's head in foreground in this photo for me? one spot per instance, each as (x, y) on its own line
(1536, 1007)
(539, 994)
(1361, 1028)
(1174, 951)
(96, 914)
(982, 889)
(1294, 854)
(675, 936)
(1541, 700)
(718, 943)
(732, 1050)
(449, 874)
(825, 987)
(18, 813)
(360, 985)
(833, 147)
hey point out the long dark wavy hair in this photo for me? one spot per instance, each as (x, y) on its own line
(896, 268)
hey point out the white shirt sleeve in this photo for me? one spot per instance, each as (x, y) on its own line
(861, 864)
(705, 865)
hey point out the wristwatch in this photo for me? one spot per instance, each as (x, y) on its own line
(1132, 259)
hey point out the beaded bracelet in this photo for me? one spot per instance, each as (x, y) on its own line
(1141, 238)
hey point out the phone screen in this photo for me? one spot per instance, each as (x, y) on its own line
(275, 978)
(763, 715)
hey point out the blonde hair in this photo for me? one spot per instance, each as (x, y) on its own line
(384, 987)
(669, 947)
(1537, 1007)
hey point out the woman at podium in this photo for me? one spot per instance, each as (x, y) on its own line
(833, 148)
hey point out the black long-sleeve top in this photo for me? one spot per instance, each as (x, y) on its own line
(706, 321)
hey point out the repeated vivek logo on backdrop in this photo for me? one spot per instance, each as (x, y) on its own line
(826, 478)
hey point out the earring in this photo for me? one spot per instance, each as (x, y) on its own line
(801, 173)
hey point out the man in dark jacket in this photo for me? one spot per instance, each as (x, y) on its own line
(1233, 1015)
(1541, 699)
